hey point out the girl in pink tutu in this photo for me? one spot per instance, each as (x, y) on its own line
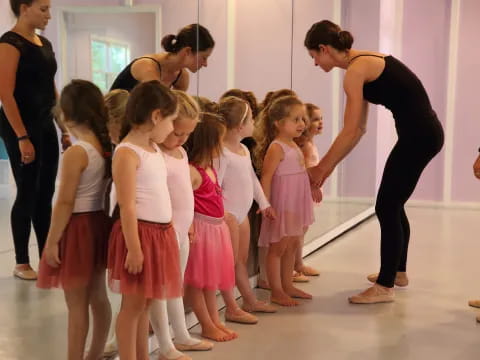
(75, 254)
(181, 195)
(210, 264)
(313, 127)
(286, 184)
(143, 257)
(240, 186)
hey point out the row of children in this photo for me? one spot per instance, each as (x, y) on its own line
(183, 185)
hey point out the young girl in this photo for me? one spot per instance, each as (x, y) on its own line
(313, 127)
(181, 195)
(143, 257)
(235, 173)
(76, 250)
(262, 251)
(116, 103)
(210, 264)
(286, 183)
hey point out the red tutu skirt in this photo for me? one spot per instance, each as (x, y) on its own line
(83, 250)
(160, 277)
(210, 263)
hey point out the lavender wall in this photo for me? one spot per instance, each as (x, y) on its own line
(358, 170)
(425, 51)
(213, 78)
(467, 114)
(310, 82)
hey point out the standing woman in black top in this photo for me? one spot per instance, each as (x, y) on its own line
(189, 49)
(27, 94)
(380, 79)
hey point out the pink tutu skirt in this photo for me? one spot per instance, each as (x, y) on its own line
(83, 250)
(291, 197)
(210, 263)
(160, 277)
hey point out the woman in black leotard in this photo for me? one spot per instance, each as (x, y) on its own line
(380, 79)
(27, 94)
(189, 49)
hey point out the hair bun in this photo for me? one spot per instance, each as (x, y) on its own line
(169, 43)
(345, 40)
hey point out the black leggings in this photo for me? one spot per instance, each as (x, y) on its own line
(403, 168)
(35, 186)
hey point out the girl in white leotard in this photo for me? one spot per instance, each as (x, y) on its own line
(240, 186)
(181, 196)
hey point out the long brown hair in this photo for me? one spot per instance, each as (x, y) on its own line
(82, 103)
(266, 129)
(205, 143)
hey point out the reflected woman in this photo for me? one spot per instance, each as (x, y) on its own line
(380, 79)
(189, 49)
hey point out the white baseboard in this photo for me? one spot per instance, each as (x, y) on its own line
(460, 205)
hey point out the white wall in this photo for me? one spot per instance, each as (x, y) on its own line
(137, 30)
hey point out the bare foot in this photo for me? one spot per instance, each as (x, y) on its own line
(263, 284)
(298, 294)
(215, 334)
(282, 299)
(226, 330)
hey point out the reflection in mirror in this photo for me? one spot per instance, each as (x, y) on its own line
(248, 64)
(99, 42)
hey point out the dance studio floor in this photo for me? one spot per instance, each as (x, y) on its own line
(430, 319)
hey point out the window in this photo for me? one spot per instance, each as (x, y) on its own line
(109, 58)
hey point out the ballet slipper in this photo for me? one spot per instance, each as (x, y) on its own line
(299, 277)
(241, 317)
(474, 303)
(202, 345)
(173, 354)
(310, 271)
(25, 272)
(400, 280)
(260, 307)
(373, 295)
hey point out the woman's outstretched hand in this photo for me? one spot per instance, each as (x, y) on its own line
(318, 174)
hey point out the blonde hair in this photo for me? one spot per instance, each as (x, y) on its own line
(234, 111)
(116, 103)
(266, 130)
(187, 106)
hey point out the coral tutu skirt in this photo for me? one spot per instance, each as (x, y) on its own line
(160, 277)
(82, 251)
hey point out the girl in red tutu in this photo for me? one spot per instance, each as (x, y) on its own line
(286, 184)
(75, 254)
(210, 264)
(143, 257)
